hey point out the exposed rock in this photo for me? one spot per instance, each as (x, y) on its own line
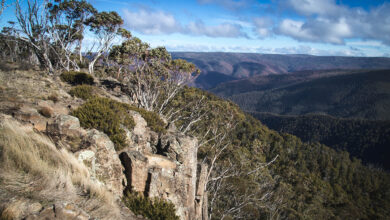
(65, 130)
(171, 176)
(155, 160)
(141, 138)
(99, 155)
(63, 211)
(136, 170)
(65, 126)
(31, 115)
(201, 196)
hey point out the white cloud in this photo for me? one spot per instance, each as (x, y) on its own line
(310, 7)
(317, 30)
(328, 22)
(262, 26)
(151, 22)
(221, 30)
(160, 22)
(304, 49)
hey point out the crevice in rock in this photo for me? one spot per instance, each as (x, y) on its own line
(126, 162)
(162, 150)
(147, 185)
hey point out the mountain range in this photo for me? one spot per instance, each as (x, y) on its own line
(218, 67)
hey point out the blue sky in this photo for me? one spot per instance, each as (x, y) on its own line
(317, 27)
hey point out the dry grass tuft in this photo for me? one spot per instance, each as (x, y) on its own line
(51, 174)
(46, 111)
(12, 211)
(53, 97)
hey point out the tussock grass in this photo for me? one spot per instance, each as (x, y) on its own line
(30, 164)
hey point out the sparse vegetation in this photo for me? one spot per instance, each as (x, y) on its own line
(51, 174)
(77, 78)
(83, 91)
(108, 116)
(151, 208)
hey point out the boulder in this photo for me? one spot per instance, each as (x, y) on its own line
(65, 126)
(99, 155)
(31, 115)
(66, 129)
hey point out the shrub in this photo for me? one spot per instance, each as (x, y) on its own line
(152, 119)
(77, 78)
(106, 115)
(154, 209)
(53, 97)
(83, 91)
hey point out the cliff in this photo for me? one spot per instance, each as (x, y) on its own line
(54, 168)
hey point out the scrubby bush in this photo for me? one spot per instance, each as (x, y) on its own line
(77, 78)
(152, 119)
(154, 209)
(108, 115)
(83, 91)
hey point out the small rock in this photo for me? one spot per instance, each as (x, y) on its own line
(34, 208)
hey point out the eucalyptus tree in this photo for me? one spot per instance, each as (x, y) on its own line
(67, 18)
(105, 26)
(153, 78)
(33, 29)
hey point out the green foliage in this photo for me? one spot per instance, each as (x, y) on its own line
(153, 120)
(309, 180)
(104, 22)
(106, 115)
(355, 95)
(154, 209)
(365, 139)
(77, 78)
(83, 91)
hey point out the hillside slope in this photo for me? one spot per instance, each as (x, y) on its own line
(364, 139)
(360, 95)
(273, 174)
(308, 180)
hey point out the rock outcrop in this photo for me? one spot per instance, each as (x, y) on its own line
(157, 165)
(93, 148)
(163, 166)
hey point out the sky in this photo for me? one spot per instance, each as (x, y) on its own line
(315, 27)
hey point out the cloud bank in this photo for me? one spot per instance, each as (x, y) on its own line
(325, 21)
(159, 22)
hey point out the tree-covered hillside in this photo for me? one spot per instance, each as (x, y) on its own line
(359, 95)
(364, 139)
(305, 180)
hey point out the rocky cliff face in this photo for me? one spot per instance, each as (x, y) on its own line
(163, 166)
(157, 165)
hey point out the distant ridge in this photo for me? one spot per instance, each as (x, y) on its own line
(218, 67)
(357, 95)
